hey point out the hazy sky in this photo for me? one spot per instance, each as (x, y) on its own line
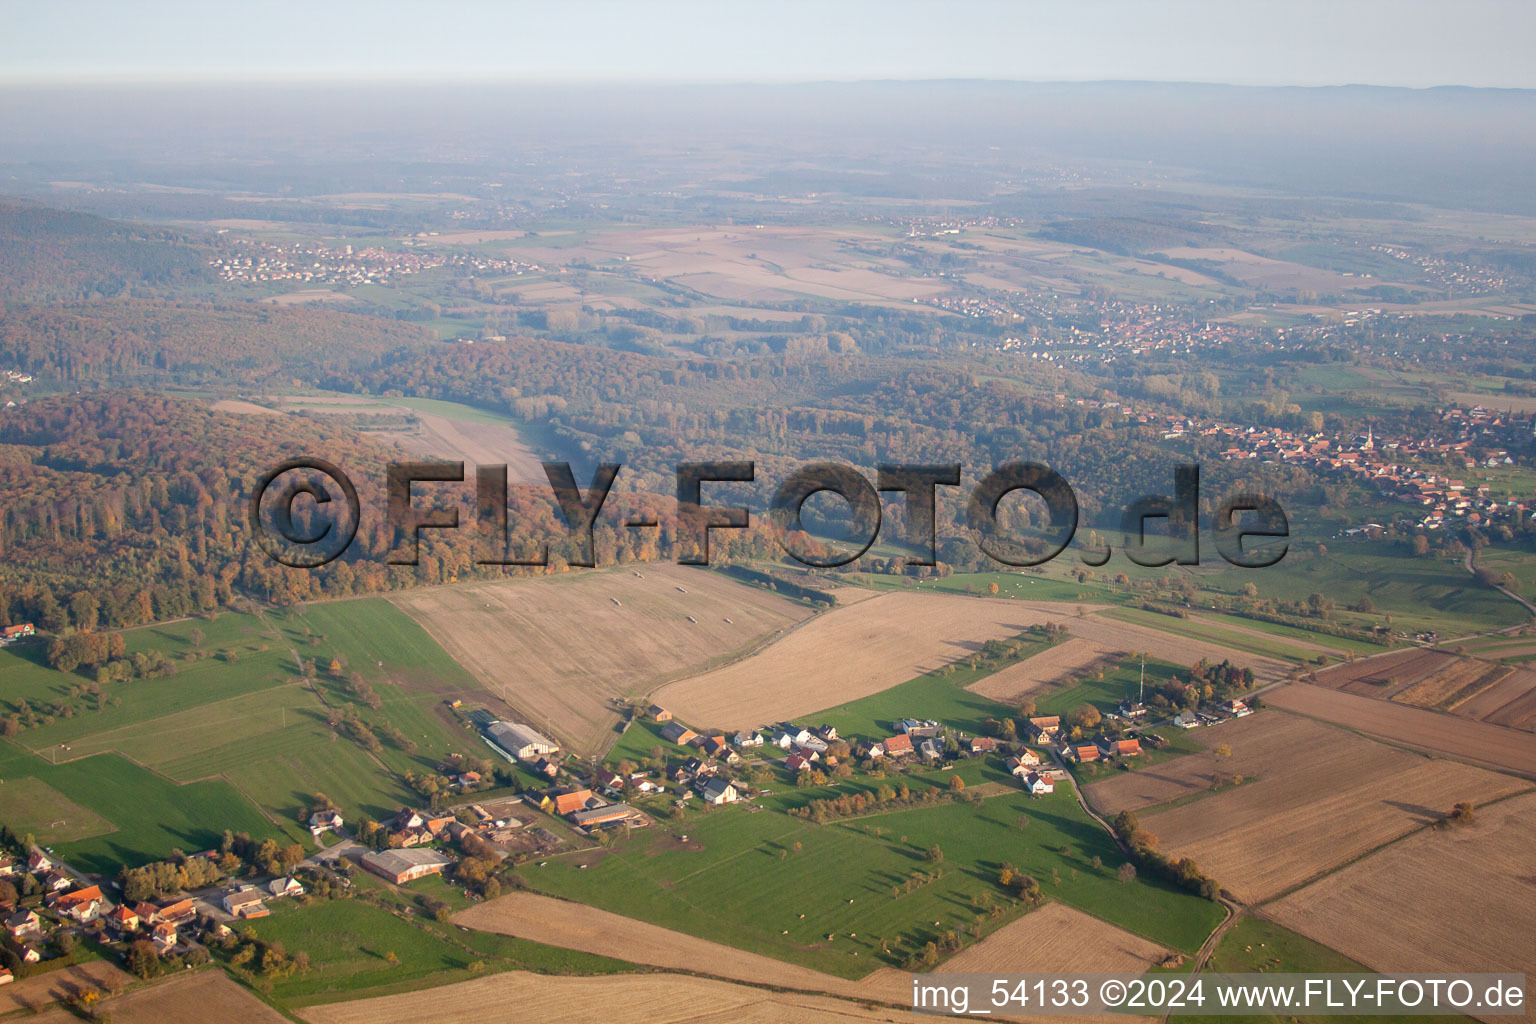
(1258, 42)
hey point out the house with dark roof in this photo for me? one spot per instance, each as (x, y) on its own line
(719, 791)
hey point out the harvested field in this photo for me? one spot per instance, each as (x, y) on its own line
(1451, 685)
(1034, 943)
(1441, 681)
(1261, 744)
(624, 999)
(192, 998)
(242, 408)
(1055, 939)
(478, 444)
(850, 595)
(1054, 664)
(1511, 701)
(1479, 742)
(1384, 676)
(1519, 713)
(475, 440)
(848, 653)
(854, 652)
(577, 926)
(1474, 882)
(37, 992)
(559, 649)
(309, 295)
(1333, 799)
(1168, 646)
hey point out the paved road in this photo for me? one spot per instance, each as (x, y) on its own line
(1083, 802)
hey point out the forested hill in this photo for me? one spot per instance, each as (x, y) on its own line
(236, 343)
(57, 256)
(129, 507)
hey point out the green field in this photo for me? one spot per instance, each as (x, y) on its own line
(29, 805)
(1418, 593)
(150, 815)
(939, 696)
(1255, 945)
(1119, 684)
(258, 663)
(1200, 629)
(243, 716)
(349, 942)
(749, 884)
(412, 674)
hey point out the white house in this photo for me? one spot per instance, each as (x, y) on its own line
(1020, 765)
(285, 886)
(322, 821)
(747, 740)
(719, 791)
(789, 736)
(1038, 785)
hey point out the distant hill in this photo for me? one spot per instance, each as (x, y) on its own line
(146, 339)
(56, 255)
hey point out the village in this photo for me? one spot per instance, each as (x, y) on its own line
(173, 912)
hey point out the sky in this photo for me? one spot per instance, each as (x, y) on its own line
(1414, 43)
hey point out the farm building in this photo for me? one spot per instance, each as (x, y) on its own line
(1044, 727)
(177, 911)
(520, 742)
(604, 815)
(660, 713)
(18, 631)
(570, 803)
(246, 901)
(1083, 754)
(1118, 748)
(401, 866)
(678, 733)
